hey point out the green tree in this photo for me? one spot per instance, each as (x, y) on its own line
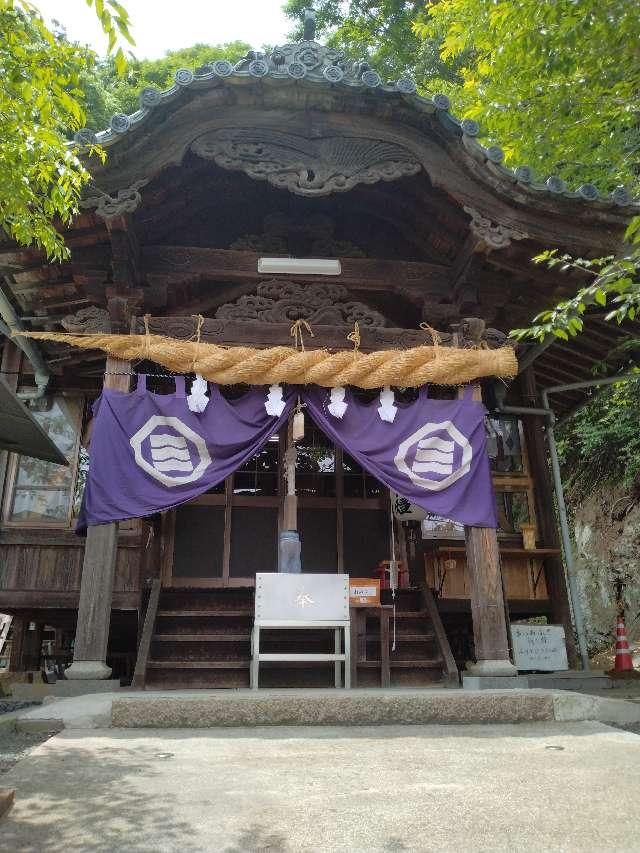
(381, 31)
(41, 176)
(108, 92)
(557, 84)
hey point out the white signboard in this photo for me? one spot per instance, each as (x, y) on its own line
(436, 527)
(404, 510)
(539, 647)
(302, 598)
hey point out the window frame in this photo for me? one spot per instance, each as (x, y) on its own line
(517, 482)
(74, 462)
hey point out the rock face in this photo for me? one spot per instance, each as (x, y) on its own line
(607, 536)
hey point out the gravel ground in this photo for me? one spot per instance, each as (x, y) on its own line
(8, 705)
(16, 745)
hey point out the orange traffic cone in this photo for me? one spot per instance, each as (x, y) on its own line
(624, 662)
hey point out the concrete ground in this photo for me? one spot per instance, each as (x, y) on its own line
(527, 787)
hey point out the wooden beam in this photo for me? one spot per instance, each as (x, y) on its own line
(254, 333)
(124, 297)
(176, 264)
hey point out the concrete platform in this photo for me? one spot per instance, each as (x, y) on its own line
(553, 787)
(571, 680)
(64, 688)
(235, 708)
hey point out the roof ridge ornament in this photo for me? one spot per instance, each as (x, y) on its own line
(309, 25)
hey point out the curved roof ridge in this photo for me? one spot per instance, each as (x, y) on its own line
(309, 62)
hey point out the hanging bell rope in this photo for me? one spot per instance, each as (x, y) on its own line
(409, 368)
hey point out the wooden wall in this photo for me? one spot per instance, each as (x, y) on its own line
(523, 575)
(43, 569)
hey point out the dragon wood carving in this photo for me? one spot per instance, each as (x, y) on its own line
(306, 167)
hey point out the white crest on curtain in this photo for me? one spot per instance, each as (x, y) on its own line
(337, 406)
(197, 399)
(387, 410)
(274, 403)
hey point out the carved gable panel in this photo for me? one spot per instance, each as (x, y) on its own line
(278, 301)
(306, 167)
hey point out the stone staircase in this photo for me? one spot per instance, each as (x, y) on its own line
(201, 638)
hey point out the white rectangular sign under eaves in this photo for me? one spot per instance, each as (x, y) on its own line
(539, 647)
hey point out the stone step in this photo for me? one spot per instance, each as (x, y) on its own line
(332, 707)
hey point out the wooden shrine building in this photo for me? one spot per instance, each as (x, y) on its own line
(300, 154)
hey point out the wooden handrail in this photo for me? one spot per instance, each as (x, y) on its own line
(139, 674)
(452, 675)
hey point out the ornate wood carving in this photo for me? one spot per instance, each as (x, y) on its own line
(311, 236)
(306, 167)
(87, 320)
(280, 301)
(493, 235)
(125, 201)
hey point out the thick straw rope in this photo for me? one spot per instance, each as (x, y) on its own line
(227, 366)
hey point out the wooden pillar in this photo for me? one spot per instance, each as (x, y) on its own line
(545, 511)
(289, 548)
(9, 367)
(32, 648)
(98, 570)
(19, 626)
(487, 602)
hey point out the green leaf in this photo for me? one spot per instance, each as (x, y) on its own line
(120, 62)
(600, 297)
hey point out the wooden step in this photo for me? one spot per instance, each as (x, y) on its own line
(427, 636)
(201, 638)
(411, 614)
(434, 663)
(199, 664)
(206, 613)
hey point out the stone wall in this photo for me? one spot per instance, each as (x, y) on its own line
(607, 535)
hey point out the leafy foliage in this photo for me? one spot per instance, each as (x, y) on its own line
(114, 19)
(108, 92)
(41, 176)
(601, 444)
(556, 83)
(616, 285)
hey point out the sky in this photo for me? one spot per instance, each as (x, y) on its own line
(161, 25)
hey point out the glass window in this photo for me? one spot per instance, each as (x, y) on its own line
(259, 476)
(44, 492)
(503, 445)
(513, 510)
(357, 482)
(315, 464)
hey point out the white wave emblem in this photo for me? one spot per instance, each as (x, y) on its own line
(175, 459)
(434, 454)
(170, 453)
